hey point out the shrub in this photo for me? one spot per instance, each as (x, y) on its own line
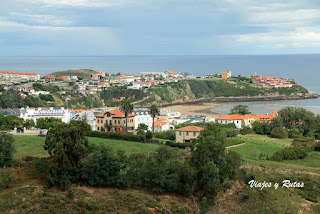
(246, 130)
(304, 139)
(168, 135)
(317, 147)
(41, 165)
(295, 133)
(230, 132)
(6, 149)
(119, 136)
(7, 178)
(279, 132)
(179, 145)
(309, 147)
(290, 153)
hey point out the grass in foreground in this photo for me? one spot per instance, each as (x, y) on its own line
(32, 145)
(268, 146)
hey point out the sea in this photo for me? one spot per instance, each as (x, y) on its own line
(304, 69)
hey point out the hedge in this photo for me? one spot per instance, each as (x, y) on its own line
(304, 139)
(118, 136)
(290, 153)
(179, 145)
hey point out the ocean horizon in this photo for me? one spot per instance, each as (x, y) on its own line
(303, 68)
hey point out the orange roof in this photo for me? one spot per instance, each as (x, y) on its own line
(191, 129)
(233, 117)
(172, 72)
(49, 77)
(77, 111)
(19, 73)
(160, 123)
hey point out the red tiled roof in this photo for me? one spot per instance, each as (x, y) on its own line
(160, 123)
(191, 129)
(19, 73)
(172, 72)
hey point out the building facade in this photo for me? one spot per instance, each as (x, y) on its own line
(226, 75)
(143, 116)
(114, 121)
(37, 113)
(188, 133)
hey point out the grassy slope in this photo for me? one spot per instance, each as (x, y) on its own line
(269, 146)
(81, 72)
(32, 145)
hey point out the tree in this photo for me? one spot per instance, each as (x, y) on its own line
(67, 145)
(127, 108)
(6, 149)
(154, 110)
(29, 123)
(240, 109)
(142, 128)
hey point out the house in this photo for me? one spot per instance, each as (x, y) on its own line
(238, 120)
(171, 74)
(50, 77)
(143, 116)
(23, 95)
(114, 121)
(186, 134)
(161, 125)
(125, 80)
(226, 75)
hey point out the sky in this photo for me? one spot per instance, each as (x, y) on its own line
(153, 27)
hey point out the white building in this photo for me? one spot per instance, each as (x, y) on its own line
(143, 116)
(37, 113)
(161, 125)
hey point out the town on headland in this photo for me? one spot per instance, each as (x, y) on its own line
(83, 141)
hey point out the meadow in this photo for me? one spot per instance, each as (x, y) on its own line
(32, 145)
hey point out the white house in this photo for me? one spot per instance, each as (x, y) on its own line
(143, 116)
(161, 125)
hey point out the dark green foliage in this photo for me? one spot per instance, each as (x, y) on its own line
(161, 170)
(148, 135)
(46, 97)
(246, 130)
(279, 132)
(48, 122)
(308, 146)
(263, 128)
(112, 93)
(179, 145)
(188, 180)
(118, 136)
(67, 145)
(7, 178)
(240, 109)
(295, 133)
(13, 100)
(304, 139)
(29, 123)
(6, 149)
(41, 165)
(10, 122)
(168, 135)
(290, 153)
(317, 147)
(102, 167)
(230, 132)
(127, 108)
(142, 128)
(246, 176)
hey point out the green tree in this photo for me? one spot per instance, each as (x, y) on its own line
(67, 145)
(240, 109)
(142, 128)
(6, 149)
(127, 108)
(29, 123)
(154, 111)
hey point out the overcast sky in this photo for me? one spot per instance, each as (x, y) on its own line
(158, 27)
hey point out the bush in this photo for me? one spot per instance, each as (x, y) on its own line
(119, 136)
(179, 145)
(7, 178)
(309, 147)
(230, 132)
(246, 130)
(168, 135)
(304, 139)
(317, 147)
(295, 133)
(6, 149)
(41, 165)
(279, 132)
(290, 153)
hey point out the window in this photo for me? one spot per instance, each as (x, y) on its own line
(187, 133)
(98, 128)
(110, 122)
(194, 133)
(98, 121)
(101, 121)
(179, 133)
(118, 121)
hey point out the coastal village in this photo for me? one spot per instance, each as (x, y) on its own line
(112, 119)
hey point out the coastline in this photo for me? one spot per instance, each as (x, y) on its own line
(204, 106)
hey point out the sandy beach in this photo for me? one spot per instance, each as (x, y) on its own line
(200, 109)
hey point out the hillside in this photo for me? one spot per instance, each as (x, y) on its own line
(188, 91)
(84, 73)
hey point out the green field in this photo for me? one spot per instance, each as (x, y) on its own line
(268, 146)
(32, 145)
